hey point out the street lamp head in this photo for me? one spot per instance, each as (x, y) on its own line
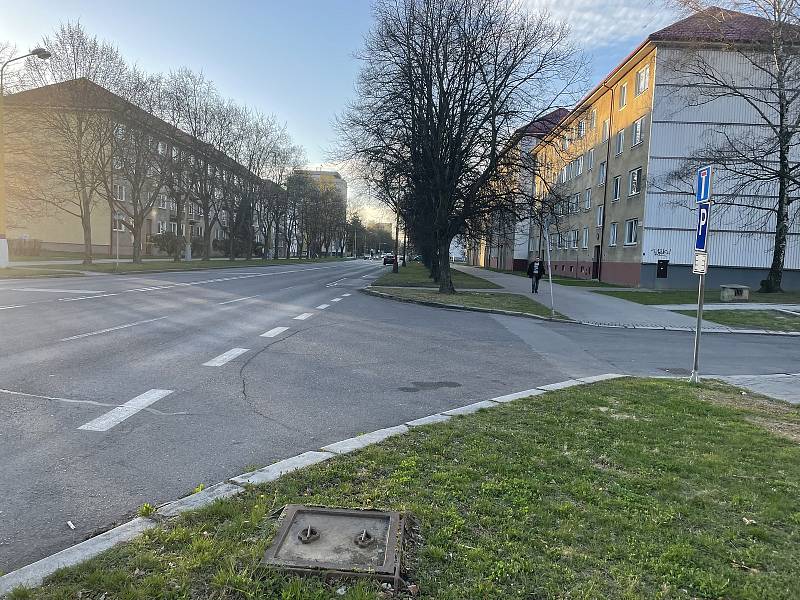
(41, 53)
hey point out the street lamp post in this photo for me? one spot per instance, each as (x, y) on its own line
(42, 54)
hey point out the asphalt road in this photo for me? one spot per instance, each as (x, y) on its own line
(120, 390)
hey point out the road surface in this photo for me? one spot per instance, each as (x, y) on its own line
(120, 390)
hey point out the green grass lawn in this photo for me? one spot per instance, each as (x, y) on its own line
(624, 489)
(514, 302)
(25, 273)
(168, 265)
(750, 319)
(690, 296)
(416, 275)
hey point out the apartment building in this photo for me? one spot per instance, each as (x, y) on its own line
(605, 166)
(43, 125)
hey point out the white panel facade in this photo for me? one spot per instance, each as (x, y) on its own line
(739, 237)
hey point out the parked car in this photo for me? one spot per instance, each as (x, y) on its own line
(389, 259)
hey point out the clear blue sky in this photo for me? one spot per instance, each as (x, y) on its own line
(290, 58)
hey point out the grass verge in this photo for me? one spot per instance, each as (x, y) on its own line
(168, 265)
(772, 320)
(416, 275)
(625, 489)
(26, 273)
(487, 300)
(690, 296)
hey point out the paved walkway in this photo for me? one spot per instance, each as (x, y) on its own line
(731, 306)
(782, 387)
(592, 308)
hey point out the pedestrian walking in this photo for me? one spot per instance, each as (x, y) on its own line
(536, 272)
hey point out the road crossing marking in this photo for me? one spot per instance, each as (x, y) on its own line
(345, 295)
(86, 297)
(303, 317)
(237, 300)
(84, 335)
(323, 306)
(117, 415)
(276, 331)
(225, 357)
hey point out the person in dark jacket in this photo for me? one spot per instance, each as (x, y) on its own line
(536, 272)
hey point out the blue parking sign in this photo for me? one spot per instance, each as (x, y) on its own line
(704, 184)
(703, 217)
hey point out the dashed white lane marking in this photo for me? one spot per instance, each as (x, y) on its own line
(117, 415)
(56, 291)
(303, 317)
(91, 333)
(333, 283)
(345, 295)
(225, 357)
(336, 300)
(86, 297)
(14, 306)
(237, 300)
(323, 306)
(274, 332)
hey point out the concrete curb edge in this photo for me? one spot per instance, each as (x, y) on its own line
(33, 575)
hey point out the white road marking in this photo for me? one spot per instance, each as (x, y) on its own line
(55, 398)
(84, 335)
(323, 306)
(117, 415)
(237, 300)
(225, 357)
(336, 300)
(86, 297)
(303, 317)
(14, 306)
(274, 332)
(345, 295)
(56, 291)
(333, 283)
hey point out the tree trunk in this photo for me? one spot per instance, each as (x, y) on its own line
(86, 222)
(206, 237)
(395, 266)
(137, 243)
(775, 276)
(445, 277)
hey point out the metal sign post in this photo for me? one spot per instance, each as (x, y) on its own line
(550, 269)
(700, 266)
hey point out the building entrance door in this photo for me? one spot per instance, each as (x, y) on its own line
(596, 263)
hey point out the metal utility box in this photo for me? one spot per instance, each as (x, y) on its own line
(662, 269)
(338, 542)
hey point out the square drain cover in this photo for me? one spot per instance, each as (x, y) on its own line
(337, 541)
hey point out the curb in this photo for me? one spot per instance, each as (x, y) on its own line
(34, 574)
(726, 330)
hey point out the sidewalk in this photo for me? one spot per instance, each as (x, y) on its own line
(731, 306)
(591, 308)
(784, 387)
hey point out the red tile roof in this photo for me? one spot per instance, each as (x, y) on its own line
(716, 24)
(544, 125)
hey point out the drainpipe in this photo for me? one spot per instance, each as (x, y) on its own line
(605, 183)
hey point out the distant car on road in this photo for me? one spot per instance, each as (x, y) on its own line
(389, 259)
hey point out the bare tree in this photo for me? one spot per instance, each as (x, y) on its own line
(758, 75)
(444, 87)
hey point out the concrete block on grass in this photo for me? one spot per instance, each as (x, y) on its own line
(362, 441)
(429, 420)
(33, 574)
(275, 470)
(200, 499)
(470, 408)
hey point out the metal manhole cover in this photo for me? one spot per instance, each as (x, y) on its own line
(338, 541)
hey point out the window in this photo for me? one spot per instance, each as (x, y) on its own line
(162, 226)
(600, 216)
(575, 204)
(623, 95)
(581, 129)
(173, 227)
(590, 160)
(585, 243)
(579, 166)
(601, 180)
(636, 132)
(574, 239)
(620, 142)
(117, 162)
(565, 142)
(560, 241)
(642, 80)
(173, 205)
(617, 186)
(631, 232)
(587, 200)
(635, 184)
(162, 201)
(117, 222)
(552, 241)
(593, 119)
(606, 130)
(119, 192)
(162, 148)
(191, 209)
(612, 235)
